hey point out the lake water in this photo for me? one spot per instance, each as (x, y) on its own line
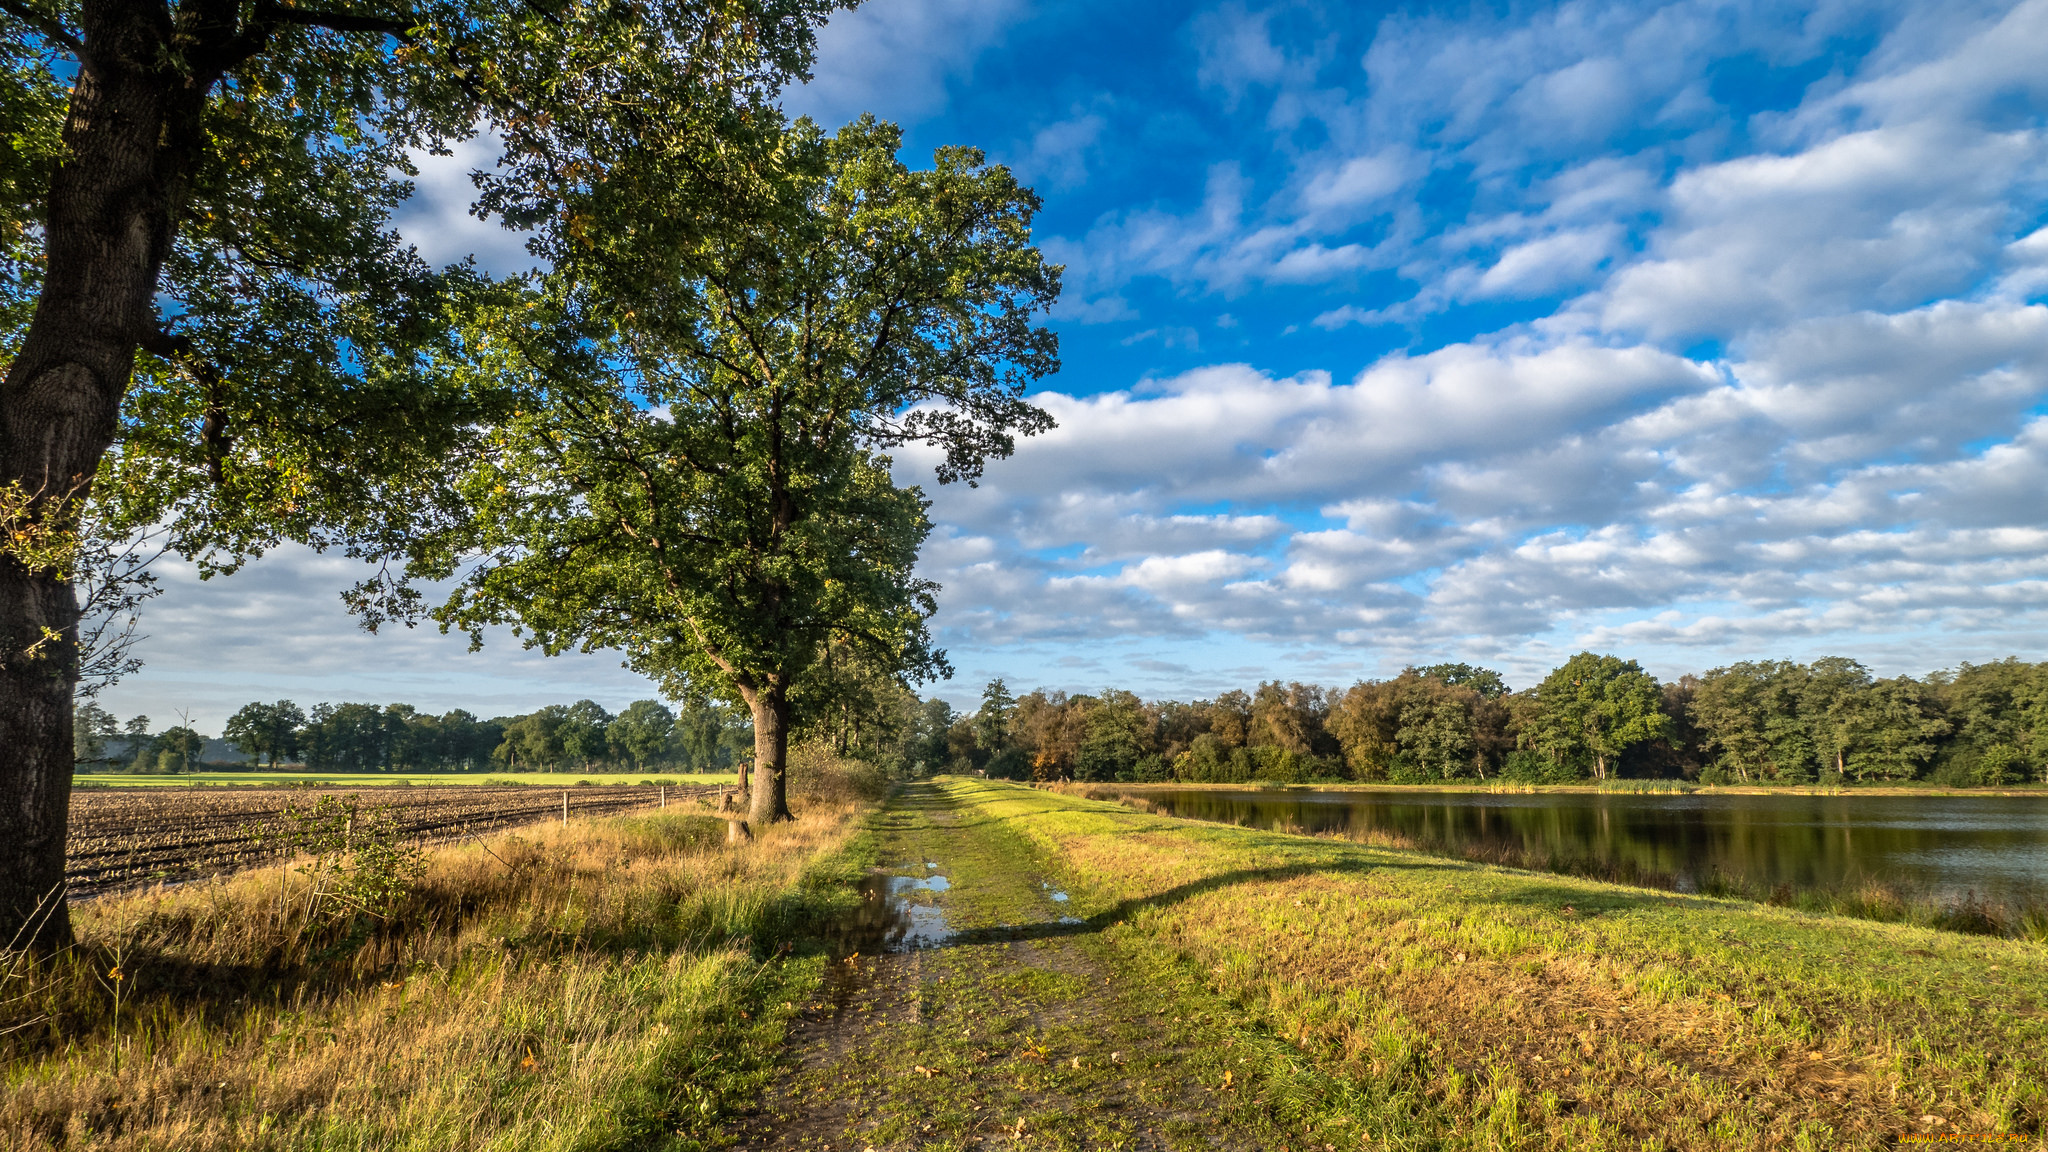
(1995, 846)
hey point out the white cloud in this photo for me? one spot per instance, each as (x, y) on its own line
(437, 220)
(895, 58)
(277, 630)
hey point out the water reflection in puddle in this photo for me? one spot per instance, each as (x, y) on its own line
(1058, 897)
(891, 917)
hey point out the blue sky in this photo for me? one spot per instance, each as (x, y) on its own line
(1694, 332)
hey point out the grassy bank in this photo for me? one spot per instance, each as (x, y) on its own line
(1888, 901)
(1389, 999)
(614, 984)
(372, 779)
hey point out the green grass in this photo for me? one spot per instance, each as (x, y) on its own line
(1411, 1001)
(371, 779)
(1023, 1030)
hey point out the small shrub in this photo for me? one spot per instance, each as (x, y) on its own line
(819, 775)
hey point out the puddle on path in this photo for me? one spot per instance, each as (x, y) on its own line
(1058, 897)
(891, 919)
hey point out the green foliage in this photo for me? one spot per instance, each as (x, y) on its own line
(1442, 722)
(1112, 747)
(993, 723)
(296, 388)
(697, 473)
(91, 727)
(261, 730)
(1597, 706)
(361, 864)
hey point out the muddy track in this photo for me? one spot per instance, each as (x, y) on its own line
(965, 1008)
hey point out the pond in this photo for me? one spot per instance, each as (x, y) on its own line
(1946, 846)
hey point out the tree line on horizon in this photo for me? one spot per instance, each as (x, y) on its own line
(1596, 717)
(697, 737)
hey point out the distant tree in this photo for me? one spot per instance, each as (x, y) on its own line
(178, 747)
(1366, 722)
(1829, 706)
(1484, 681)
(582, 733)
(1115, 737)
(1597, 707)
(855, 704)
(1230, 718)
(643, 734)
(712, 736)
(90, 729)
(261, 730)
(1896, 726)
(1731, 710)
(1291, 718)
(993, 723)
(137, 727)
(963, 749)
(927, 750)
(533, 742)
(1438, 734)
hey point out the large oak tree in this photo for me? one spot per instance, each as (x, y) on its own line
(700, 476)
(206, 316)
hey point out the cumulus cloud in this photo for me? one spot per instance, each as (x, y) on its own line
(277, 630)
(895, 58)
(1854, 456)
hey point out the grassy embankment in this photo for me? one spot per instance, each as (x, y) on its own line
(267, 779)
(1887, 901)
(599, 986)
(1384, 998)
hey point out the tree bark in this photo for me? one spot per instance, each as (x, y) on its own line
(132, 134)
(770, 799)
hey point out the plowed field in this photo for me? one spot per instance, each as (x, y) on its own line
(125, 838)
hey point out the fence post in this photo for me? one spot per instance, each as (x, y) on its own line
(664, 795)
(565, 809)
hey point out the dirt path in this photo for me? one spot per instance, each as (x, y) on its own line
(970, 1011)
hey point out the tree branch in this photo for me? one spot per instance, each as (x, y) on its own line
(52, 28)
(332, 21)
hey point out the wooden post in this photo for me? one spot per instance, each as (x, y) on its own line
(664, 795)
(565, 809)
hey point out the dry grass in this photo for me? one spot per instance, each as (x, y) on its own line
(610, 984)
(1414, 1001)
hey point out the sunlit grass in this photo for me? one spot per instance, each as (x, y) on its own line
(612, 984)
(1410, 1000)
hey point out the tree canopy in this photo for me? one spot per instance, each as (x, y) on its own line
(698, 475)
(208, 320)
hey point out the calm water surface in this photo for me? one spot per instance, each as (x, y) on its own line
(1996, 846)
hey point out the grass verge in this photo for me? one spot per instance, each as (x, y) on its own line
(1387, 999)
(620, 983)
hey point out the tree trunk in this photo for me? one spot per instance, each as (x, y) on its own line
(131, 135)
(770, 799)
